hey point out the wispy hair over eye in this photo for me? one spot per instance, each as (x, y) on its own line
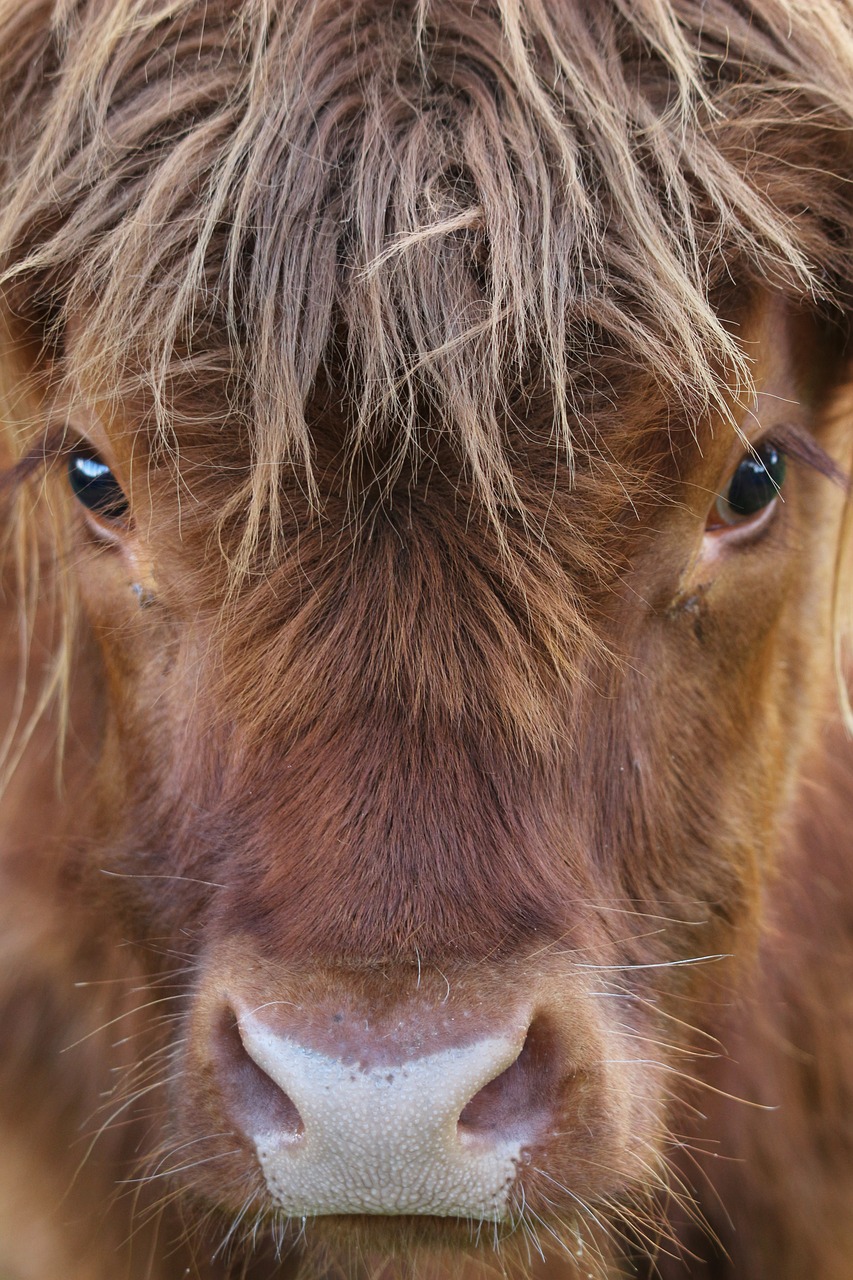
(448, 202)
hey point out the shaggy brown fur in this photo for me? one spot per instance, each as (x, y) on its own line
(421, 337)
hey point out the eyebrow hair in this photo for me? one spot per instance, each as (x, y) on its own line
(798, 443)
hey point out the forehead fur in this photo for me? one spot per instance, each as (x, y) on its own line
(444, 209)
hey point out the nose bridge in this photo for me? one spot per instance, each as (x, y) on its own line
(386, 1138)
(376, 833)
(333, 873)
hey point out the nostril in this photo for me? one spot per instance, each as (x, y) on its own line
(520, 1101)
(254, 1101)
(352, 1116)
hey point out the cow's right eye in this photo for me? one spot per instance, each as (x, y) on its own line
(95, 486)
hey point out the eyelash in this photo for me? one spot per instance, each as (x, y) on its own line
(796, 443)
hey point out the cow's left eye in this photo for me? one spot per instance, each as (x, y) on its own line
(95, 486)
(755, 484)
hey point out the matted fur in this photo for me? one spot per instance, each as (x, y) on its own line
(421, 337)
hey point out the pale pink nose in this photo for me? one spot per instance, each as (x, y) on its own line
(440, 1132)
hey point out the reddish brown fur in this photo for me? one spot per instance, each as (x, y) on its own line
(422, 339)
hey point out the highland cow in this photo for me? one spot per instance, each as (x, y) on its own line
(426, 792)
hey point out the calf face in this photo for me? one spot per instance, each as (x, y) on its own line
(425, 781)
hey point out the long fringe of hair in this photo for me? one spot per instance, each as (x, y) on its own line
(450, 197)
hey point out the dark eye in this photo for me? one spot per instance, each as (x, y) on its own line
(754, 485)
(96, 487)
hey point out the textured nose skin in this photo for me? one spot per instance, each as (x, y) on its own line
(384, 1140)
